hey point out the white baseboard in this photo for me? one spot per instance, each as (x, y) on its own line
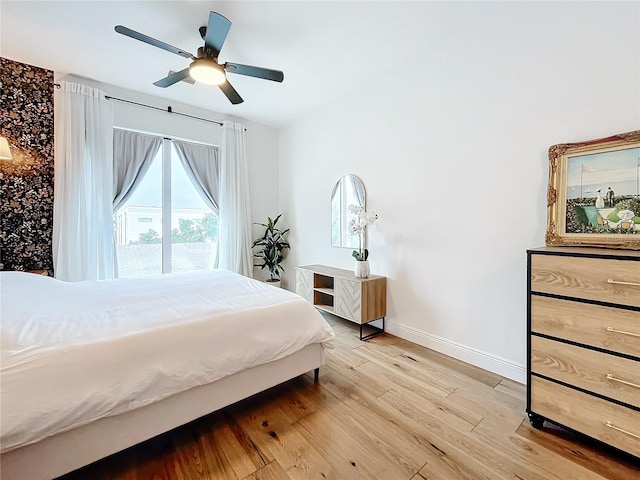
(493, 363)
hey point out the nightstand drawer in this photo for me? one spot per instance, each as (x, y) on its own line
(609, 375)
(613, 424)
(613, 329)
(605, 280)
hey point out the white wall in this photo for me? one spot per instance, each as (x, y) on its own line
(262, 145)
(451, 143)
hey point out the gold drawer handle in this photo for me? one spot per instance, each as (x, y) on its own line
(618, 282)
(614, 330)
(611, 425)
(611, 377)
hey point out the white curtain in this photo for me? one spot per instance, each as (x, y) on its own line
(133, 154)
(234, 237)
(202, 164)
(83, 184)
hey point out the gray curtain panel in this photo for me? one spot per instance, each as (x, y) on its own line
(202, 164)
(132, 156)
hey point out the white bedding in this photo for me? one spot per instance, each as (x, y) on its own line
(76, 352)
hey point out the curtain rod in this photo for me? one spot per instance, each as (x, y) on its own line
(168, 110)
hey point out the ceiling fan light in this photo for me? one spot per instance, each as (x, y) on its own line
(207, 71)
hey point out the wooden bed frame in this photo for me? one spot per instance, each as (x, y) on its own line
(68, 451)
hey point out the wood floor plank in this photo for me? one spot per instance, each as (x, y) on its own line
(340, 445)
(383, 409)
(532, 454)
(198, 456)
(436, 401)
(271, 471)
(399, 450)
(359, 412)
(518, 390)
(349, 356)
(310, 396)
(292, 402)
(454, 465)
(392, 372)
(448, 439)
(458, 417)
(422, 391)
(420, 359)
(234, 442)
(487, 396)
(504, 415)
(372, 385)
(445, 460)
(371, 412)
(453, 364)
(582, 451)
(270, 429)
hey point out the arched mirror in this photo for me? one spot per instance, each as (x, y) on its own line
(349, 190)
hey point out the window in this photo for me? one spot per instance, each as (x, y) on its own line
(165, 226)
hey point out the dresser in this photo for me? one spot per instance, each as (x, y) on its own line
(583, 363)
(340, 292)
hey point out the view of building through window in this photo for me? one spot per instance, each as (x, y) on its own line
(141, 247)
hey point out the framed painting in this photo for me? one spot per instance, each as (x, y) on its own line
(593, 198)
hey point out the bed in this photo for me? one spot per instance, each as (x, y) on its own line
(91, 368)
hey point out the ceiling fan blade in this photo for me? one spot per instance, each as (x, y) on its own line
(216, 33)
(173, 78)
(189, 79)
(233, 96)
(152, 41)
(251, 71)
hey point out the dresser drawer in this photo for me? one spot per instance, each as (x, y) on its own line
(587, 278)
(608, 375)
(613, 329)
(613, 424)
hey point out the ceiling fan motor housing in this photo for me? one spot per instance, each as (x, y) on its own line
(204, 52)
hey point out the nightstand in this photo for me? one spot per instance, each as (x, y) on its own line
(339, 292)
(39, 272)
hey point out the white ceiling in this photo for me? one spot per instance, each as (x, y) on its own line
(325, 48)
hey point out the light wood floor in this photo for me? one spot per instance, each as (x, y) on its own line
(383, 409)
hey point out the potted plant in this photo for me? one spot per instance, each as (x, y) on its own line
(358, 226)
(271, 247)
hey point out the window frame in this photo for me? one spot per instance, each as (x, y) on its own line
(166, 184)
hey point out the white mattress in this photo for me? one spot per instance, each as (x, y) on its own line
(76, 352)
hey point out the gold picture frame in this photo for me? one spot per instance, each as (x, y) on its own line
(593, 197)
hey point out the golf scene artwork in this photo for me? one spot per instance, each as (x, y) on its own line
(593, 196)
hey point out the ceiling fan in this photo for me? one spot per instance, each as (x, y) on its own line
(204, 67)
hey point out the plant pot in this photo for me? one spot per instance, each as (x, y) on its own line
(362, 269)
(273, 282)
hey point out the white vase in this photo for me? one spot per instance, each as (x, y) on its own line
(273, 283)
(362, 269)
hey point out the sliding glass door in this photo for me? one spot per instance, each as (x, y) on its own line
(165, 226)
